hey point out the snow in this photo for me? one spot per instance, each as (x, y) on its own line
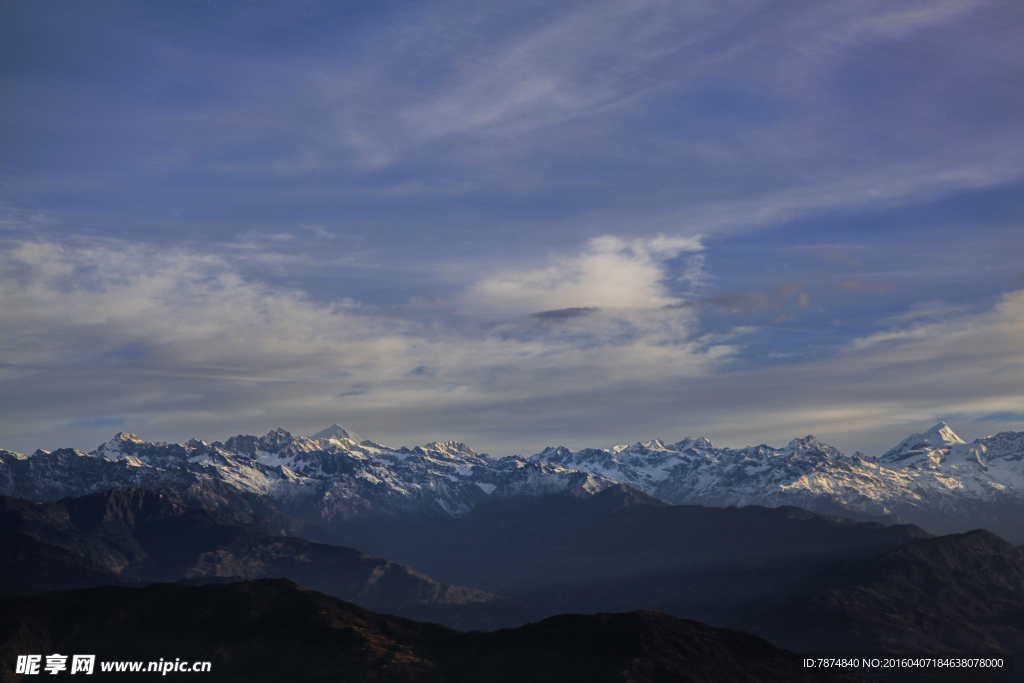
(934, 469)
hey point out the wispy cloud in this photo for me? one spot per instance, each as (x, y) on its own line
(751, 303)
(462, 202)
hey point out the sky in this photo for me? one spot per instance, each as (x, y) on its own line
(511, 224)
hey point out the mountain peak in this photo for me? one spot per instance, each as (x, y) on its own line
(450, 448)
(555, 454)
(123, 444)
(811, 443)
(700, 442)
(943, 432)
(125, 436)
(938, 437)
(336, 431)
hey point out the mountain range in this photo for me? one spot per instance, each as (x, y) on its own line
(933, 479)
(620, 549)
(802, 580)
(806, 581)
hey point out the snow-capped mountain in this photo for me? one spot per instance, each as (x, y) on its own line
(49, 476)
(933, 479)
(322, 478)
(915, 446)
(335, 433)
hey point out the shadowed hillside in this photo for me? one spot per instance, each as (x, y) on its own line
(274, 631)
(135, 535)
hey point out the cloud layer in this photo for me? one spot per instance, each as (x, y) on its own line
(177, 344)
(155, 337)
(511, 223)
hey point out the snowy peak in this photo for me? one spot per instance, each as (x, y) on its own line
(335, 433)
(121, 446)
(326, 478)
(453, 448)
(1005, 446)
(12, 455)
(278, 442)
(556, 454)
(652, 445)
(125, 436)
(275, 441)
(700, 443)
(809, 443)
(916, 445)
(942, 433)
(335, 477)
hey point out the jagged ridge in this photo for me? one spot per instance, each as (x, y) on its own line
(933, 479)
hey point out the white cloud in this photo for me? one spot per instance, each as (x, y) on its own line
(177, 344)
(182, 340)
(611, 273)
(882, 386)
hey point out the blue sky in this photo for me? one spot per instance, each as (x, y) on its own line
(512, 224)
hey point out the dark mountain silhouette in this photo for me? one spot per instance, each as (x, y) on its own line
(25, 562)
(135, 535)
(272, 630)
(621, 549)
(958, 593)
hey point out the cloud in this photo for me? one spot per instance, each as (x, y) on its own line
(493, 106)
(174, 339)
(178, 344)
(525, 131)
(1001, 417)
(867, 396)
(932, 311)
(565, 313)
(759, 302)
(966, 336)
(557, 72)
(610, 274)
(746, 302)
